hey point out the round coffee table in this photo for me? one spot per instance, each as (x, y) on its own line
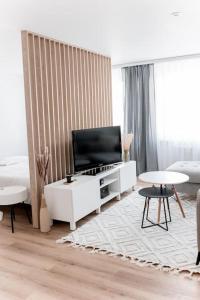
(12, 195)
(164, 178)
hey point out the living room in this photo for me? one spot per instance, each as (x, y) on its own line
(99, 156)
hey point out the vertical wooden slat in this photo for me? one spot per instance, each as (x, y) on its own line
(101, 93)
(45, 110)
(52, 109)
(50, 93)
(72, 102)
(57, 109)
(110, 90)
(60, 111)
(76, 90)
(81, 91)
(41, 93)
(85, 89)
(87, 98)
(89, 95)
(30, 127)
(63, 110)
(106, 93)
(34, 44)
(98, 90)
(70, 107)
(47, 101)
(67, 104)
(79, 96)
(90, 89)
(66, 88)
(94, 91)
(38, 132)
(82, 87)
(73, 87)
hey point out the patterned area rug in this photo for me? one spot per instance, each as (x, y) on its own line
(117, 231)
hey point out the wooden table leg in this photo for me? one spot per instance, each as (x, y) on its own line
(178, 201)
(159, 209)
(147, 215)
(12, 217)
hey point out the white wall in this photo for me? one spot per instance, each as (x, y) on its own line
(13, 140)
(118, 31)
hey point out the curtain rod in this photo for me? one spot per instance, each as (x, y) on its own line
(152, 61)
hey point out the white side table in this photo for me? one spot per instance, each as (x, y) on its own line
(12, 195)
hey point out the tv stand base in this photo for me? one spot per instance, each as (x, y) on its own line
(72, 202)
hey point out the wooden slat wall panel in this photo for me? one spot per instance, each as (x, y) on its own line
(66, 88)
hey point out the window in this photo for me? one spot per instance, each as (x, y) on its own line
(177, 91)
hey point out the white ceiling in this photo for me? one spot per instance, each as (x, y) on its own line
(126, 30)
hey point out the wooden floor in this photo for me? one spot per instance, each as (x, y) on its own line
(34, 267)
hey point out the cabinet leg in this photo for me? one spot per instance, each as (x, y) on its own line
(72, 225)
(119, 197)
(98, 210)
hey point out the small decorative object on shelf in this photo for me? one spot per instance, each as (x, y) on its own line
(127, 140)
(69, 178)
(101, 181)
(42, 164)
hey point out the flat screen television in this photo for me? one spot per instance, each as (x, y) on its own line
(96, 147)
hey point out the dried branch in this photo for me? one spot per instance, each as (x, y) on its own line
(42, 160)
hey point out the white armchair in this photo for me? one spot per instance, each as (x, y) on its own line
(198, 226)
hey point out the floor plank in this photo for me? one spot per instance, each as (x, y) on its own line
(33, 266)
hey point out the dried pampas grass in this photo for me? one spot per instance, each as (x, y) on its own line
(127, 140)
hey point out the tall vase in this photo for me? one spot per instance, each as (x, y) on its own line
(126, 155)
(44, 216)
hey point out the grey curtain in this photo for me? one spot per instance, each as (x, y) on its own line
(140, 115)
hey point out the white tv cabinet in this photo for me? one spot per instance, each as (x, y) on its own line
(71, 202)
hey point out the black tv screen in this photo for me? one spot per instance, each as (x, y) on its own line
(96, 147)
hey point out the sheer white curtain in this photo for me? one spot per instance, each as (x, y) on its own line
(118, 97)
(177, 91)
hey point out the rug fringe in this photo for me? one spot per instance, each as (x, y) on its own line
(188, 274)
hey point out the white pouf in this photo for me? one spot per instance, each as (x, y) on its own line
(11, 195)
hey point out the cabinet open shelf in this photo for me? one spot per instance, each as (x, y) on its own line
(108, 181)
(109, 197)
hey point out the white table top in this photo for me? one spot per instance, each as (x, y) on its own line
(163, 177)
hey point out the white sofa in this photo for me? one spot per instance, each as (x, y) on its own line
(198, 227)
(192, 169)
